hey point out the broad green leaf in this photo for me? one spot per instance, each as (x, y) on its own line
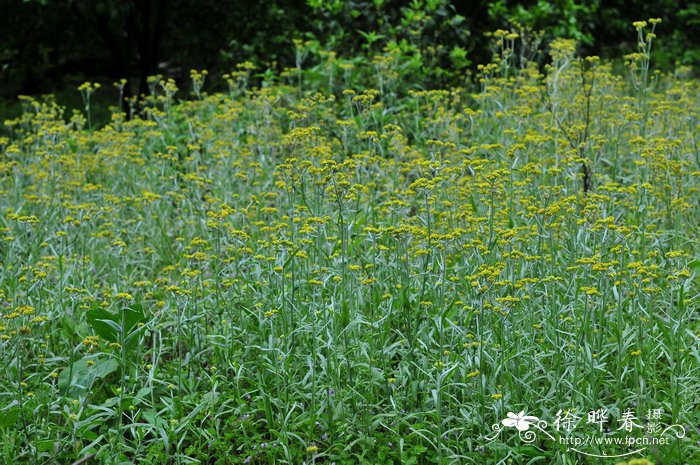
(100, 320)
(9, 417)
(108, 325)
(132, 317)
(84, 375)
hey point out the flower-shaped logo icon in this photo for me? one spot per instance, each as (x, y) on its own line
(520, 421)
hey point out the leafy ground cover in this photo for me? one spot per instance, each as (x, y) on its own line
(300, 273)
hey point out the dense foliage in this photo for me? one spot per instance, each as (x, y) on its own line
(44, 43)
(314, 272)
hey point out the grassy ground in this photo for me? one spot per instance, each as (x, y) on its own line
(355, 276)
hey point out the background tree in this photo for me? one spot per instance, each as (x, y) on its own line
(45, 45)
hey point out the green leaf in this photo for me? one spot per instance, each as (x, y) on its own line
(695, 268)
(419, 449)
(45, 445)
(71, 328)
(211, 398)
(344, 315)
(143, 392)
(133, 316)
(84, 375)
(9, 417)
(102, 322)
(108, 325)
(531, 451)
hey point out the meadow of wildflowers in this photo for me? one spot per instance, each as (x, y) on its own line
(317, 271)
